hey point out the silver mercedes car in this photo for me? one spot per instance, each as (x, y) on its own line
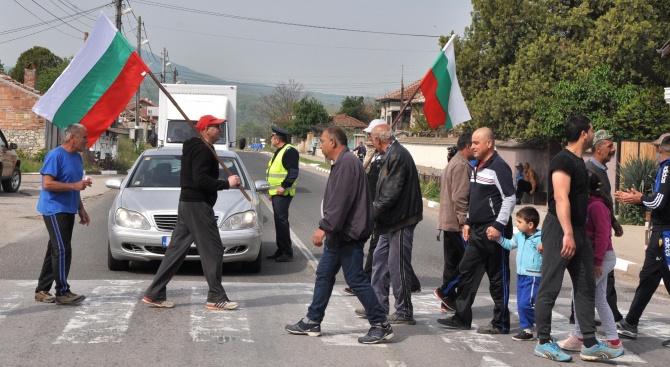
(144, 212)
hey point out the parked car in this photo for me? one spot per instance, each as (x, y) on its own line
(10, 165)
(144, 212)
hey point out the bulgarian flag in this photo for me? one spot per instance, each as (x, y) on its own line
(98, 83)
(444, 101)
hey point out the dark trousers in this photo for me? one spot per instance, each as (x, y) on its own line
(349, 257)
(580, 268)
(483, 256)
(56, 265)
(651, 274)
(453, 247)
(195, 223)
(280, 205)
(521, 187)
(612, 297)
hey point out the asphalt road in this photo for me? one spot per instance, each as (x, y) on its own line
(112, 328)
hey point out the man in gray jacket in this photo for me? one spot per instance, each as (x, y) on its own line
(454, 194)
(398, 208)
(344, 229)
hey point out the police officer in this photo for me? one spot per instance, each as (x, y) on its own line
(282, 174)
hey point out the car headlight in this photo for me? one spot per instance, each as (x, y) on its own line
(239, 221)
(130, 219)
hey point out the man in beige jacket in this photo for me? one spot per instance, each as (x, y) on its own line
(454, 193)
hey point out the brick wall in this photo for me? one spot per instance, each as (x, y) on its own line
(17, 121)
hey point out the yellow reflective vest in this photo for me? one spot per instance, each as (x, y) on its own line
(276, 173)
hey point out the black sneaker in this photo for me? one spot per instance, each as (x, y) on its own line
(448, 303)
(452, 323)
(666, 343)
(397, 319)
(274, 256)
(301, 328)
(524, 335)
(626, 330)
(377, 334)
(284, 258)
(490, 329)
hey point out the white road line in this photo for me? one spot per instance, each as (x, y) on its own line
(219, 326)
(313, 262)
(396, 364)
(103, 317)
(9, 302)
(342, 327)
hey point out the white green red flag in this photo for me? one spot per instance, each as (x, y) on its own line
(444, 101)
(97, 85)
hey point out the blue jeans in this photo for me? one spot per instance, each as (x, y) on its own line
(349, 257)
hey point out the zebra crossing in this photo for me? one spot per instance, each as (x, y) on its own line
(113, 308)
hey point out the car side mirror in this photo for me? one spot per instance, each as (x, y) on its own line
(13, 146)
(113, 183)
(262, 185)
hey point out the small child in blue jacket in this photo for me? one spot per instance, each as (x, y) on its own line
(528, 267)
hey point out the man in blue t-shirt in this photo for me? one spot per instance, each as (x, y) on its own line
(59, 201)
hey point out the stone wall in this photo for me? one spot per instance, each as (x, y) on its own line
(17, 121)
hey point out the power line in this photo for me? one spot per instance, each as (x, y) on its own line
(23, 28)
(54, 15)
(66, 13)
(76, 9)
(197, 11)
(33, 14)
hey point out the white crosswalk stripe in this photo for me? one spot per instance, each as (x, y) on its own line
(219, 326)
(104, 317)
(10, 302)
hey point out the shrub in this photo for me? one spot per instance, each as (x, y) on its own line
(638, 173)
(127, 153)
(430, 190)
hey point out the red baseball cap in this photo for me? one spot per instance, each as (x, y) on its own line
(206, 121)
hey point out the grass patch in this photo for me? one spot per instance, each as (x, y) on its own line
(321, 164)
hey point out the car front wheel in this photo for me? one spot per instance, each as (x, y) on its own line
(253, 266)
(12, 184)
(116, 265)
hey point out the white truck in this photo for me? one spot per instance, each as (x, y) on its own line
(196, 101)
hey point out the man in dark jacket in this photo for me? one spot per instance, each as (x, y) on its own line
(196, 222)
(489, 210)
(397, 210)
(344, 228)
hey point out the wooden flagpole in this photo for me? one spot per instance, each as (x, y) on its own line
(190, 123)
(402, 110)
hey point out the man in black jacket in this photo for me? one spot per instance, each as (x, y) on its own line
(344, 228)
(398, 208)
(195, 219)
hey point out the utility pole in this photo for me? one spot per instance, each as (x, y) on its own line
(119, 5)
(402, 91)
(137, 95)
(174, 75)
(164, 55)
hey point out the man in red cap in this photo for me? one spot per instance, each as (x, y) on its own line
(196, 222)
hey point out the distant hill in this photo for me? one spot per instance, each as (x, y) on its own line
(248, 94)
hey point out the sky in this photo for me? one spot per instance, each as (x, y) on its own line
(347, 47)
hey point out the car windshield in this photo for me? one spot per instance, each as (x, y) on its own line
(179, 132)
(164, 171)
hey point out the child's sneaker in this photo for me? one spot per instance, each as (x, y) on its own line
(599, 352)
(524, 335)
(608, 343)
(571, 343)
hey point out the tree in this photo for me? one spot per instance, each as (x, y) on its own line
(46, 77)
(525, 66)
(41, 57)
(307, 113)
(276, 108)
(2, 67)
(358, 108)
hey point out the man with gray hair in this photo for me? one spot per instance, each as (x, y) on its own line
(60, 199)
(657, 256)
(398, 208)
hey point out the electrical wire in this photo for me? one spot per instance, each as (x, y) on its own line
(54, 15)
(197, 11)
(67, 13)
(23, 28)
(33, 14)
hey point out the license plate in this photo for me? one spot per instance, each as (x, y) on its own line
(166, 241)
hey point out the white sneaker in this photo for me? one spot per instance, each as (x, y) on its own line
(571, 343)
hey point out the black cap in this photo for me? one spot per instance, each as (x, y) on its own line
(280, 131)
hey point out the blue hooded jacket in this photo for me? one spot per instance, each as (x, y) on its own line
(528, 260)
